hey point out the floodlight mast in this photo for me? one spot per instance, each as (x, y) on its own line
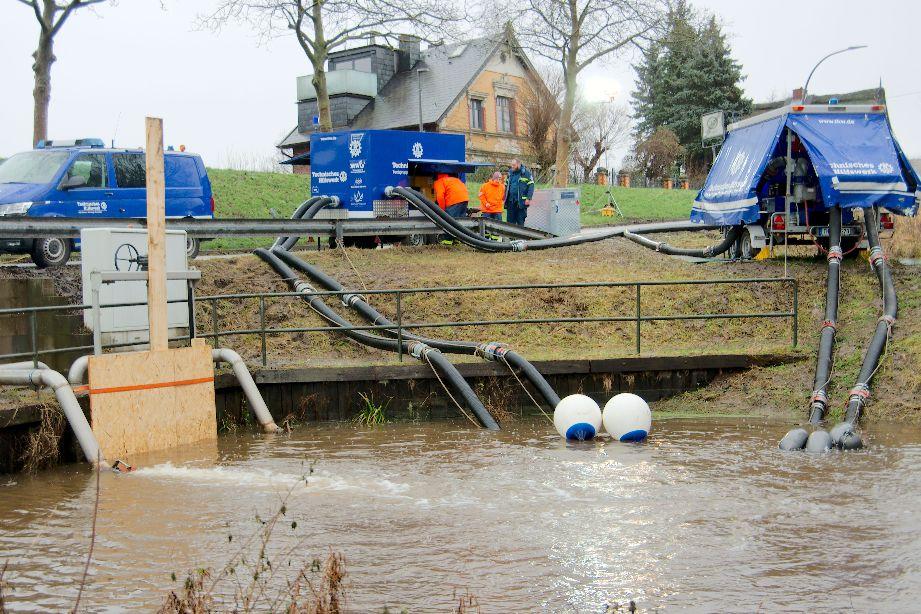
(809, 78)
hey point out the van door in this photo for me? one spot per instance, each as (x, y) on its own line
(91, 197)
(184, 194)
(130, 185)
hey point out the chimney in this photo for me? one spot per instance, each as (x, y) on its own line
(409, 52)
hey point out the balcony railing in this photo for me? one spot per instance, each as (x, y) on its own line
(340, 82)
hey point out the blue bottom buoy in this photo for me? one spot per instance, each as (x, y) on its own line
(627, 417)
(577, 417)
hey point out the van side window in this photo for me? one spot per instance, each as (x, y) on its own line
(129, 170)
(180, 172)
(92, 167)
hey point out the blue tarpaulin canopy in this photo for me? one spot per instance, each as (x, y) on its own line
(856, 159)
(728, 196)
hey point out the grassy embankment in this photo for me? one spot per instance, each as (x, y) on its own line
(244, 194)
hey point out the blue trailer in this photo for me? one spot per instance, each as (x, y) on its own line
(356, 166)
(779, 172)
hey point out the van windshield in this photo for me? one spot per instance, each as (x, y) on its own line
(32, 166)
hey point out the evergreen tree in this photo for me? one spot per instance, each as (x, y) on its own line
(688, 73)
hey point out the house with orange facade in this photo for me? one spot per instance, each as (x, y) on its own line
(475, 88)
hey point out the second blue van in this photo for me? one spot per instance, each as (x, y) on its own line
(82, 178)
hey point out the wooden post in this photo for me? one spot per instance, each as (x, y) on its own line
(156, 237)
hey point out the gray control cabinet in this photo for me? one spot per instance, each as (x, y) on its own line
(555, 210)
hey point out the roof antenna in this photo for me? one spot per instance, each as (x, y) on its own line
(115, 132)
(880, 93)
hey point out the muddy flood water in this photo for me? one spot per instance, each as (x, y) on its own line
(708, 515)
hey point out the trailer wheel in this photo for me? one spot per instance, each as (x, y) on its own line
(415, 240)
(742, 248)
(51, 252)
(192, 247)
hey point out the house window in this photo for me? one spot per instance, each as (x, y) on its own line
(477, 114)
(362, 64)
(505, 114)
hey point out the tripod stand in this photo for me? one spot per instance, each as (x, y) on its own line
(610, 207)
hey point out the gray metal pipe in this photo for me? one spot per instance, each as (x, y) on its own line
(77, 375)
(253, 396)
(68, 402)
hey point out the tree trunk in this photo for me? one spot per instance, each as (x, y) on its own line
(319, 84)
(564, 133)
(44, 58)
(319, 68)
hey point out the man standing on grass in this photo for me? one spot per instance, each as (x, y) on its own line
(492, 197)
(519, 188)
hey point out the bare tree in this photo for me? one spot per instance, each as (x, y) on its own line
(576, 34)
(322, 26)
(600, 126)
(540, 107)
(51, 15)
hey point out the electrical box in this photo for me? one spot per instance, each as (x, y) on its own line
(555, 210)
(111, 249)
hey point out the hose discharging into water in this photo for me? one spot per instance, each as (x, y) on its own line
(417, 349)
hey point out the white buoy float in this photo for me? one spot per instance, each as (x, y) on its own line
(627, 417)
(577, 417)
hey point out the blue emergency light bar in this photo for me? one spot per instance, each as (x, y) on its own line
(86, 142)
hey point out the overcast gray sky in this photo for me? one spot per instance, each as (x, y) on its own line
(230, 98)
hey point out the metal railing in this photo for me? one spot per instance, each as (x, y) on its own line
(400, 327)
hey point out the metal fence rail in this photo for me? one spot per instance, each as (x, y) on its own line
(400, 327)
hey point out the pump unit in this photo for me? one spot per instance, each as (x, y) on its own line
(358, 165)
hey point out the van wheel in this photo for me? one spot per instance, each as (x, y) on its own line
(51, 252)
(192, 247)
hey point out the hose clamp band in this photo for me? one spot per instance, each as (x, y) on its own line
(350, 299)
(492, 350)
(890, 320)
(819, 396)
(829, 324)
(303, 287)
(876, 254)
(518, 245)
(417, 349)
(860, 391)
(835, 253)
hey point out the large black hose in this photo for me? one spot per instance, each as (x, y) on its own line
(307, 210)
(707, 252)
(489, 351)
(819, 400)
(861, 391)
(437, 216)
(416, 349)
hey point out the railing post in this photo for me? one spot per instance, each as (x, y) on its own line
(639, 314)
(214, 332)
(95, 282)
(262, 328)
(400, 325)
(33, 325)
(795, 313)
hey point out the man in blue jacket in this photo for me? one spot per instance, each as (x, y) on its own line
(519, 188)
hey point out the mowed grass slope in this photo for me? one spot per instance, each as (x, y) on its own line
(248, 194)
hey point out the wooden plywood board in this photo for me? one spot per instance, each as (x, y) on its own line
(143, 401)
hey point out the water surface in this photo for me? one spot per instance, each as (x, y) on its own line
(708, 515)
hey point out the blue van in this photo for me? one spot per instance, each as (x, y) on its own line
(82, 178)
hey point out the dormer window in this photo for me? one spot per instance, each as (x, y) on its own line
(362, 64)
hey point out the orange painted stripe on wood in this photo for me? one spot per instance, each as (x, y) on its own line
(80, 389)
(183, 382)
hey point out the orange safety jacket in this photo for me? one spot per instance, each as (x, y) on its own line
(492, 196)
(450, 191)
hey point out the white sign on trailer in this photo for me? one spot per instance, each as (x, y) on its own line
(712, 126)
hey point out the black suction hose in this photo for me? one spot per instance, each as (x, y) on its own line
(416, 349)
(843, 433)
(490, 351)
(707, 252)
(821, 440)
(304, 206)
(819, 401)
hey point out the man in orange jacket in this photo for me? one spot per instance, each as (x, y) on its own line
(492, 196)
(451, 195)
